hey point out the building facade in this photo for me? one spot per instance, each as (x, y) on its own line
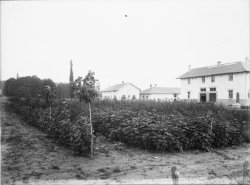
(223, 83)
(124, 91)
(160, 94)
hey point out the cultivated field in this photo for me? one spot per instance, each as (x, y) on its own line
(30, 156)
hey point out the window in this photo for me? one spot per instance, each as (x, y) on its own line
(203, 89)
(212, 78)
(230, 77)
(203, 79)
(175, 95)
(213, 89)
(189, 81)
(133, 97)
(230, 94)
(189, 94)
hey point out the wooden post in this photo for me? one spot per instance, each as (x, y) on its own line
(91, 132)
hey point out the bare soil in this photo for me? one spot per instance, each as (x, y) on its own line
(28, 156)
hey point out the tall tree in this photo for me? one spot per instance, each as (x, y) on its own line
(85, 91)
(71, 81)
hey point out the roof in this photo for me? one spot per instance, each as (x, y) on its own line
(118, 87)
(162, 90)
(236, 67)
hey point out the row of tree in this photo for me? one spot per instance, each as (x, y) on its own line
(32, 85)
(26, 86)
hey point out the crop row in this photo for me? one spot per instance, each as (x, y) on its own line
(167, 132)
(61, 126)
(196, 127)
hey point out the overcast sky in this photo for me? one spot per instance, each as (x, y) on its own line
(141, 41)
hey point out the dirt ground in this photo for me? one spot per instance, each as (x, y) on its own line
(28, 156)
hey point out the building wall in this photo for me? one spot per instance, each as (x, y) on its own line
(108, 95)
(240, 84)
(161, 97)
(128, 91)
(247, 89)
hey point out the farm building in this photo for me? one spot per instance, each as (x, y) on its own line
(160, 94)
(123, 91)
(227, 83)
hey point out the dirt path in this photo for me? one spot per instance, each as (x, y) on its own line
(29, 156)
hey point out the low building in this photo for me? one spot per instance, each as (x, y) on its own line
(123, 91)
(227, 83)
(161, 94)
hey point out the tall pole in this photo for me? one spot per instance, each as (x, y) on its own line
(91, 132)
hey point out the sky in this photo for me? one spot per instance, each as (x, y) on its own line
(141, 41)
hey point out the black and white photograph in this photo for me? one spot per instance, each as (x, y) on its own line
(125, 92)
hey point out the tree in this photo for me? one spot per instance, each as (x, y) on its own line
(85, 91)
(23, 91)
(62, 90)
(26, 86)
(10, 87)
(48, 82)
(71, 81)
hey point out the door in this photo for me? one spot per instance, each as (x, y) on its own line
(203, 97)
(123, 97)
(237, 97)
(212, 97)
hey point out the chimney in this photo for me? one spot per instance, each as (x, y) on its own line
(246, 59)
(150, 85)
(189, 67)
(218, 63)
(155, 85)
(122, 82)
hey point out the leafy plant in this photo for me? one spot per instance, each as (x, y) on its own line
(85, 90)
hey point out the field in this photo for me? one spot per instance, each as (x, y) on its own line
(30, 156)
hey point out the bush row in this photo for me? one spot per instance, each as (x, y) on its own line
(149, 125)
(63, 126)
(166, 132)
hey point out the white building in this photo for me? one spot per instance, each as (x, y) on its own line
(160, 94)
(124, 91)
(223, 83)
